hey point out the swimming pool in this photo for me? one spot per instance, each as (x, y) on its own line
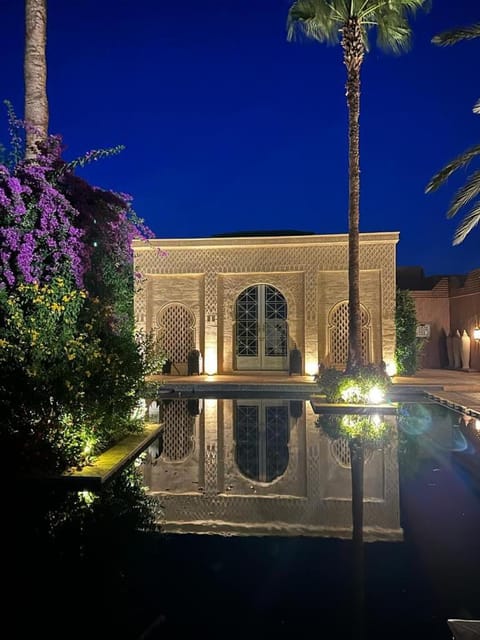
(270, 491)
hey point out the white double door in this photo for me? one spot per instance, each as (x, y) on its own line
(261, 331)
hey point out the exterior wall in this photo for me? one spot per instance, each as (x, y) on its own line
(451, 306)
(207, 275)
(433, 308)
(465, 312)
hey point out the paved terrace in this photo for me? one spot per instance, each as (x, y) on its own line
(457, 389)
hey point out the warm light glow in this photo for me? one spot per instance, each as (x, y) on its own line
(476, 333)
(311, 368)
(375, 395)
(87, 497)
(376, 420)
(210, 361)
(391, 369)
(351, 394)
(477, 424)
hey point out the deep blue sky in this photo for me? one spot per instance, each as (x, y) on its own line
(228, 127)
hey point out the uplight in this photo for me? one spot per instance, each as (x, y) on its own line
(376, 420)
(375, 395)
(391, 369)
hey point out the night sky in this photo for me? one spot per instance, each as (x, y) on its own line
(228, 127)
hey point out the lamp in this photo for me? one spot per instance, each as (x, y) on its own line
(476, 333)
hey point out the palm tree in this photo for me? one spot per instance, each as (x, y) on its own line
(471, 189)
(35, 72)
(350, 22)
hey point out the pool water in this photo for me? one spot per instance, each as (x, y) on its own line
(253, 532)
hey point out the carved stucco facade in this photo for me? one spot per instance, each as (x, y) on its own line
(203, 489)
(206, 276)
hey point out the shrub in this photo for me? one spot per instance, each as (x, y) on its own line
(408, 349)
(353, 387)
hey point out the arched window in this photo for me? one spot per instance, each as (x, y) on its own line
(338, 334)
(176, 332)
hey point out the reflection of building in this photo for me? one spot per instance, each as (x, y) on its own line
(245, 302)
(263, 467)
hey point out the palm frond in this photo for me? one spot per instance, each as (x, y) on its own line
(468, 223)
(314, 19)
(453, 36)
(394, 33)
(443, 175)
(470, 190)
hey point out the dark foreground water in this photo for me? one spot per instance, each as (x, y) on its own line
(238, 523)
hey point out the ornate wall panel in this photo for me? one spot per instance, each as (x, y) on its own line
(306, 269)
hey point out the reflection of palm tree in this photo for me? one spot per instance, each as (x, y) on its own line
(357, 459)
(360, 431)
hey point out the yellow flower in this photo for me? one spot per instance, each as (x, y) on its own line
(70, 356)
(3, 343)
(56, 307)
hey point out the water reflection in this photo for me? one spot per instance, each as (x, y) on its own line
(264, 467)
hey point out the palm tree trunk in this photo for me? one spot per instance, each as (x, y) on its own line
(353, 52)
(35, 72)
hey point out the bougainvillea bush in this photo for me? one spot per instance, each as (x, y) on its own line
(70, 365)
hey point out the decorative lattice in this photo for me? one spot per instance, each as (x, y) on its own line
(178, 431)
(338, 334)
(176, 331)
(247, 322)
(275, 322)
(341, 453)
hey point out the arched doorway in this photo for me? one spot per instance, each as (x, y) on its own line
(261, 331)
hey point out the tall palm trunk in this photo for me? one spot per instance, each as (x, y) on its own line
(35, 72)
(353, 52)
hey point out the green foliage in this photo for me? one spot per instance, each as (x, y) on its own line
(408, 349)
(353, 387)
(368, 429)
(68, 382)
(154, 357)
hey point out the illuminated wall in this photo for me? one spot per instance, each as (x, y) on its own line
(207, 275)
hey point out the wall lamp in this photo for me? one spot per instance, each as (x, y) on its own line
(476, 334)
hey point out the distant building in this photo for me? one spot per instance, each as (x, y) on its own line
(246, 301)
(445, 305)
